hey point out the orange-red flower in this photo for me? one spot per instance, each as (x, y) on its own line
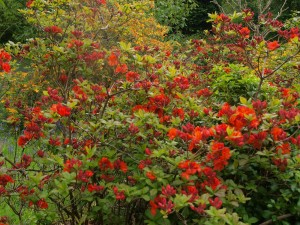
(105, 164)
(273, 45)
(132, 76)
(189, 167)
(173, 133)
(151, 175)
(283, 149)
(245, 32)
(61, 109)
(101, 2)
(244, 116)
(219, 155)
(278, 133)
(95, 187)
(53, 29)
(121, 68)
(5, 67)
(113, 59)
(121, 165)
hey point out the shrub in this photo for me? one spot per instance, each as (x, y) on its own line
(132, 134)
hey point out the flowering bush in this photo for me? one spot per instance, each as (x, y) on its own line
(133, 134)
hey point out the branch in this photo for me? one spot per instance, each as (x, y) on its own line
(218, 5)
(281, 10)
(284, 62)
(278, 218)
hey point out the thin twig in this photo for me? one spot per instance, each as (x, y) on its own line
(278, 218)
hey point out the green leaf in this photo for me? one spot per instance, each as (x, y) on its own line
(243, 100)
(181, 201)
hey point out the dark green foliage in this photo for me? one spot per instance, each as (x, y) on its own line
(13, 27)
(196, 21)
(173, 13)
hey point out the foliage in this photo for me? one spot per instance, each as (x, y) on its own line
(173, 13)
(13, 27)
(131, 134)
(196, 21)
(280, 8)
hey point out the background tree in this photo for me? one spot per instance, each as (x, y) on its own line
(197, 19)
(13, 26)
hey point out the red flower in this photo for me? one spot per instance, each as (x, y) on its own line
(273, 45)
(160, 100)
(148, 151)
(121, 68)
(4, 179)
(105, 164)
(245, 32)
(121, 165)
(101, 2)
(217, 203)
(22, 140)
(267, 71)
(165, 205)
(236, 138)
(173, 132)
(278, 134)
(182, 82)
(283, 149)
(219, 155)
(54, 142)
(257, 139)
(26, 161)
(189, 168)
(5, 67)
(42, 204)
(199, 134)
(120, 195)
(53, 29)
(133, 129)
(29, 3)
(61, 109)
(151, 176)
(226, 110)
(199, 209)
(4, 56)
(144, 163)
(107, 178)
(84, 176)
(77, 33)
(242, 117)
(168, 191)
(132, 76)
(113, 59)
(71, 163)
(95, 187)
(281, 163)
(178, 112)
(259, 105)
(204, 92)
(153, 207)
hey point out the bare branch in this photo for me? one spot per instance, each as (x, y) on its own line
(266, 7)
(282, 9)
(278, 218)
(218, 5)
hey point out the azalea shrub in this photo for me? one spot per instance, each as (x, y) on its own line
(138, 134)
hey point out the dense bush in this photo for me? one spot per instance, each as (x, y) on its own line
(124, 133)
